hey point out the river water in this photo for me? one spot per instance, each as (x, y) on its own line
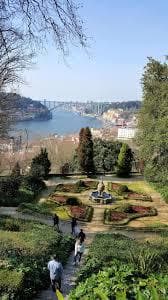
(62, 123)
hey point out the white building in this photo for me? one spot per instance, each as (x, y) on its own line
(126, 133)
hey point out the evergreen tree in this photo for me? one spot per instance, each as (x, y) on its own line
(16, 172)
(153, 122)
(85, 151)
(40, 166)
(124, 163)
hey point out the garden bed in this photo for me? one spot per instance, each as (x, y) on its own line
(77, 187)
(59, 199)
(82, 213)
(122, 215)
(126, 193)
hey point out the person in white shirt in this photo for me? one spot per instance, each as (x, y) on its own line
(79, 249)
(56, 272)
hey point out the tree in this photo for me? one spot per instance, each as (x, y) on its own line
(153, 122)
(124, 163)
(64, 169)
(16, 171)
(35, 21)
(105, 155)
(85, 151)
(40, 166)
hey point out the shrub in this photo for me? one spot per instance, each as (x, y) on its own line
(11, 225)
(11, 284)
(27, 252)
(9, 186)
(72, 201)
(123, 189)
(33, 184)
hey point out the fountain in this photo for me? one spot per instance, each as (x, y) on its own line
(100, 196)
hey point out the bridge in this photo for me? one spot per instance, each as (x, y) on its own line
(95, 108)
(51, 105)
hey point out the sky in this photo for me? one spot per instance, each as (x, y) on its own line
(122, 34)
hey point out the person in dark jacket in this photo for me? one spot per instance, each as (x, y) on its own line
(73, 225)
(56, 221)
(81, 236)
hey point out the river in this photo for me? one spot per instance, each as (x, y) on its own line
(62, 123)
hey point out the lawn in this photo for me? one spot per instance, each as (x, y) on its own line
(47, 208)
(25, 249)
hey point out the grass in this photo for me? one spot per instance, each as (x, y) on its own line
(140, 187)
(47, 208)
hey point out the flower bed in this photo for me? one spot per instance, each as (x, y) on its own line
(77, 187)
(124, 214)
(59, 199)
(82, 213)
(123, 190)
(137, 196)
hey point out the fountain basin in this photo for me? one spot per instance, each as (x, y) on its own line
(103, 198)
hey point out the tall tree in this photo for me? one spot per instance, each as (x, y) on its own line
(124, 163)
(106, 154)
(85, 151)
(153, 122)
(40, 166)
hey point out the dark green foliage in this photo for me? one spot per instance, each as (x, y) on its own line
(65, 168)
(9, 187)
(10, 224)
(24, 255)
(119, 268)
(40, 166)
(105, 155)
(33, 184)
(123, 189)
(72, 201)
(124, 163)
(153, 122)
(16, 172)
(85, 151)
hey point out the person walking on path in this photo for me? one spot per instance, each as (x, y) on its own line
(56, 221)
(81, 235)
(73, 225)
(56, 272)
(79, 249)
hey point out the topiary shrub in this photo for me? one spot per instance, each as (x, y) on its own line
(123, 189)
(80, 184)
(72, 201)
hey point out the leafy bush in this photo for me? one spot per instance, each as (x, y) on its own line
(9, 186)
(72, 201)
(123, 189)
(10, 224)
(25, 254)
(120, 268)
(34, 184)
